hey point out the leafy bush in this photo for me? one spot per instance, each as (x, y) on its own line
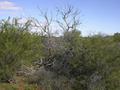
(18, 46)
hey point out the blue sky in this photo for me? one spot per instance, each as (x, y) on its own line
(96, 15)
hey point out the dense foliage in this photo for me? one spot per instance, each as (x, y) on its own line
(17, 47)
(64, 62)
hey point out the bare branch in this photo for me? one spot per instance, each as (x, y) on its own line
(70, 20)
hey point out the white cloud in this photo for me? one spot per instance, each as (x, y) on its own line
(7, 5)
(23, 20)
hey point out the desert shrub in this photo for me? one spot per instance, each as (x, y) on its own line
(18, 46)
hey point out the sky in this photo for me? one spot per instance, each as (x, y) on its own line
(97, 16)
